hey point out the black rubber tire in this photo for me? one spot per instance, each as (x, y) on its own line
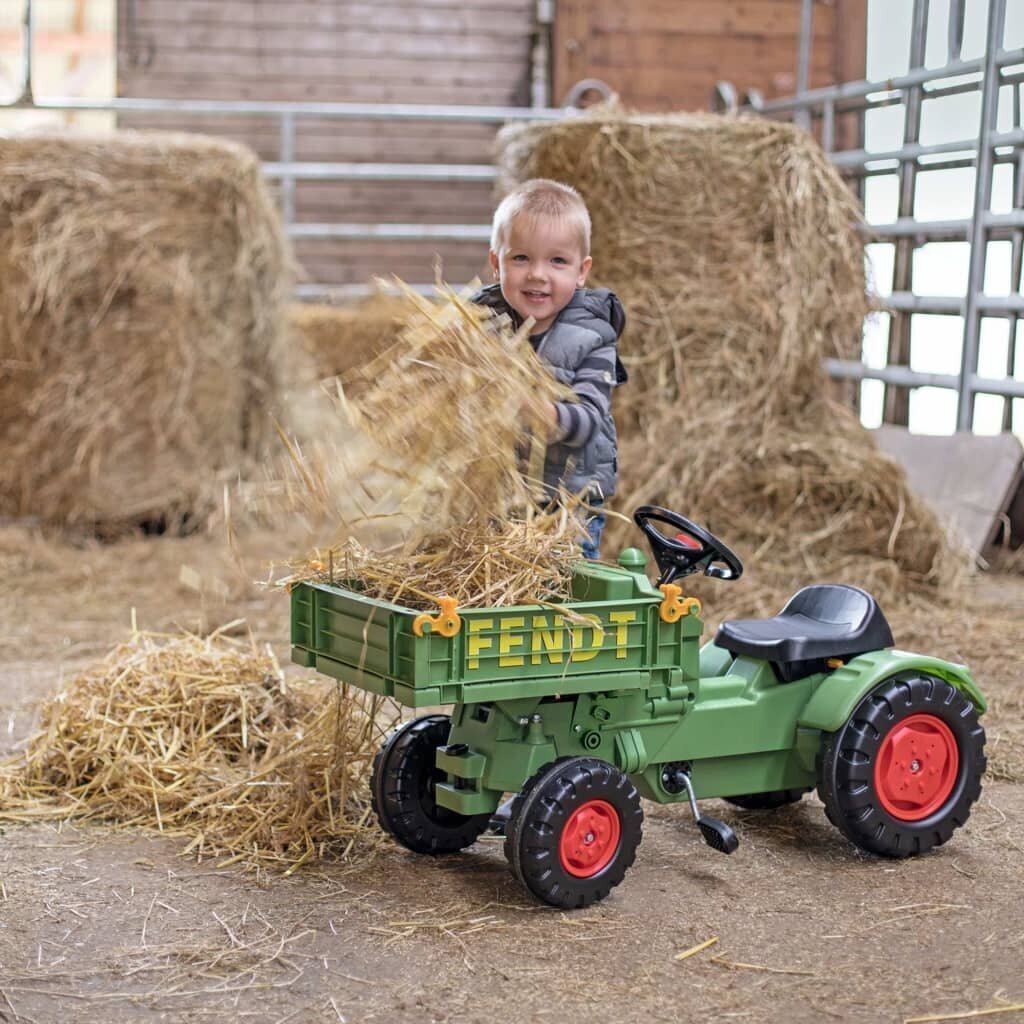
(846, 769)
(402, 791)
(769, 801)
(539, 815)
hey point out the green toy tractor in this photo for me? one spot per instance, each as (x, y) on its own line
(578, 712)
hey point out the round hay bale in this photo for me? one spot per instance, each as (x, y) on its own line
(341, 339)
(735, 247)
(143, 287)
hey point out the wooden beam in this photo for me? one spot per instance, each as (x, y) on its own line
(851, 64)
(765, 18)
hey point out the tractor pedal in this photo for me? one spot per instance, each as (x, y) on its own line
(718, 835)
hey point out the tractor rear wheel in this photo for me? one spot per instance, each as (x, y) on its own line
(769, 801)
(901, 775)
(402, 791)
(574, 831)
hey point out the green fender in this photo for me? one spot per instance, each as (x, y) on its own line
(842, 690)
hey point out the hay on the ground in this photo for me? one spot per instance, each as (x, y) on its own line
(143, 289)
(204, 738)
(735, 248)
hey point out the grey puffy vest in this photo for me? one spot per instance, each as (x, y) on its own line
(586, 329)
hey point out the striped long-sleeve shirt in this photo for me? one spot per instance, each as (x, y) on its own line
(593, 381)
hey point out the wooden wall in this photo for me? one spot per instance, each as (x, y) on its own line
(668, 54)
(392, 51)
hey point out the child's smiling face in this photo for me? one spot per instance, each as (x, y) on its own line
(540, 265)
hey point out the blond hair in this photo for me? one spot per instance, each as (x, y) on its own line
(541, 197)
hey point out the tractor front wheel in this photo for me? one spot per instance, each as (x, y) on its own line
(901, 775)
(574, 830)
(402, 791)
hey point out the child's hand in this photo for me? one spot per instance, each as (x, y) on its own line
(541, 413)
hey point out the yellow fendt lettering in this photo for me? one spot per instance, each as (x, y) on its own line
(476, 644)
(582, 649)
(621, 621)
(511, 636)
(546, 641)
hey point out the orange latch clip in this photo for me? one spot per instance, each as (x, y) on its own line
(446, 622)
(674, 607)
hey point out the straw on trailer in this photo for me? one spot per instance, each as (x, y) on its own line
(482, 563)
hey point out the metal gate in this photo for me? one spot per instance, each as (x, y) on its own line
(998, 76)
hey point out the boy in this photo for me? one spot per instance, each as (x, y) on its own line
(540, 256)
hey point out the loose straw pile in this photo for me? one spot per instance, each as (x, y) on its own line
(443, 411)
(439, 439)
(203, 738)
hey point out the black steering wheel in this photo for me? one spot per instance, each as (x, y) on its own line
(689, 551)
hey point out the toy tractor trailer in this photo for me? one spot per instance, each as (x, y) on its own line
(580, 710)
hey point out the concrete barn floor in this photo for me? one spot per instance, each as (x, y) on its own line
(106, 926)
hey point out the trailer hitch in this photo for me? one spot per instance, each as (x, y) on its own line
(719, 836)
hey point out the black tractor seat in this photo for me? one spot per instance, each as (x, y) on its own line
(830, 620)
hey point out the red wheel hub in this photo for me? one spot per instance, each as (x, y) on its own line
(917, 767)
(590, 839)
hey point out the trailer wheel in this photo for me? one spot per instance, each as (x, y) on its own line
(901, 775)
(769, 801)
(574, 831)
(402, 791)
